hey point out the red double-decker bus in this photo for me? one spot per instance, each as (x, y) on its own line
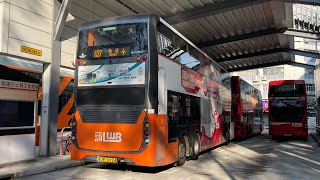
(246, 108)
(287, 108)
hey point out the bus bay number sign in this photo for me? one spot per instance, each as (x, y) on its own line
(30, 50)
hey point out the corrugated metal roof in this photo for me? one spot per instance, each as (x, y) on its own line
(238, 35)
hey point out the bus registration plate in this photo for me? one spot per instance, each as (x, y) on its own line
(296, 124)
(108, 160)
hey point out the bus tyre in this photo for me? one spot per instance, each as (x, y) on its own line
(195, 147)
(182, 149)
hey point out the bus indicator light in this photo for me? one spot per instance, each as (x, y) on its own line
(74, 123)
(79, 62)
(146, 133)
(73, 130)
(147, 140)
(84, 62)
(138, 58)
(144, 57)
(146, 125)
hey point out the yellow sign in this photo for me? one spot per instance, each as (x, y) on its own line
(108, 160)
(30, 50)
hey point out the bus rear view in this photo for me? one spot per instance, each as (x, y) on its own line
(287, 108)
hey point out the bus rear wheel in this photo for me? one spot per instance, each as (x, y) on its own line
(195, 147)
(182, 149)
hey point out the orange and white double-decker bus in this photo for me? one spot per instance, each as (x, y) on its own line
(145, 95)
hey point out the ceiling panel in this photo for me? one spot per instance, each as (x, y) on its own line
(225, 26)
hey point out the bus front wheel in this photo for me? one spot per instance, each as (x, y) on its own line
(182, 151)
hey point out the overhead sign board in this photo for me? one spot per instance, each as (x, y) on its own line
(30, 50)
(18, 85)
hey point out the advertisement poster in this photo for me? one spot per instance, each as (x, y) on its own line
(265, 106)
(190, 80)
(112, 74)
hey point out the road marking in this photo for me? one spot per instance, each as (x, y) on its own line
(306, 159)
(315, 169)
(170, 172)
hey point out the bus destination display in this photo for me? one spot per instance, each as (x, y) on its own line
(111, 52)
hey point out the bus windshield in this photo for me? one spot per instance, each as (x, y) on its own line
(284, 90)
(281, 114)
(123, 40)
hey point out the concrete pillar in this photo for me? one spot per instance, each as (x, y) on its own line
(50, 97)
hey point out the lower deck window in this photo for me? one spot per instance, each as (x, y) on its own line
(16, 113)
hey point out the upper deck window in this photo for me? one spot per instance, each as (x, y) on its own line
(123, 40)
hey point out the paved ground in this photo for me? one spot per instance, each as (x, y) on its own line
(256, 158)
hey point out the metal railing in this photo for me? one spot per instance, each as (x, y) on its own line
(61, 138)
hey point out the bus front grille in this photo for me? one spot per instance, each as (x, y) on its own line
(109, 114)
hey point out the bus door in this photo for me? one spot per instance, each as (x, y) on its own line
(162, 112)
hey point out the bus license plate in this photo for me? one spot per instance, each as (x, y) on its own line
(108, 160)
(296, 124)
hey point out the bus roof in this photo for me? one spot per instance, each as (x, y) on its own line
(142, 18)
(118, 19)
(279, 82)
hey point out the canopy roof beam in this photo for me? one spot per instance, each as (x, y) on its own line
(207, 10)
(224, 6)
(271, 51)
(241, 37)
(271, 64)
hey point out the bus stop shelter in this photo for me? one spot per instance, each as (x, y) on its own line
(238, 34)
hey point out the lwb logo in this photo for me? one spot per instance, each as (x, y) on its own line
(108, 137)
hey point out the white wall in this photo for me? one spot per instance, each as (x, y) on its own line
(17, 148)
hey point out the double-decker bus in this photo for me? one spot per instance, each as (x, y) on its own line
(246, 108)
(288, 108)
(145, 95)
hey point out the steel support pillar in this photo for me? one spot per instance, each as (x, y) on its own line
(50, 91)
